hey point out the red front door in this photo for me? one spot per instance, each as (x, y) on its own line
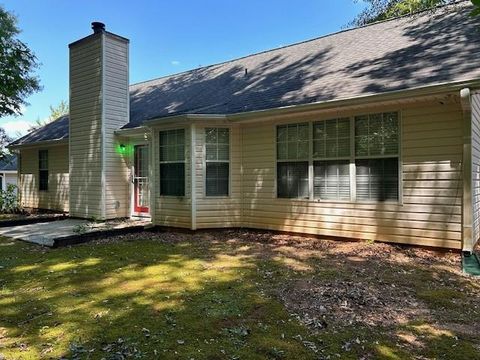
(140, 179)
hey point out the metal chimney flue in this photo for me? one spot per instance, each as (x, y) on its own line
(98, 27)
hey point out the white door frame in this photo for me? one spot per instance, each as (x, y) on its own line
(134, 213)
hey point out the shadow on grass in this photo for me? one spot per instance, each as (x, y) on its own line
(206, 297)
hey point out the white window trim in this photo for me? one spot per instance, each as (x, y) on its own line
(205, 161)
(172, 162)
(351, 158)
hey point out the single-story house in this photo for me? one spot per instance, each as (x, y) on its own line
(8, 171)
(369, 133)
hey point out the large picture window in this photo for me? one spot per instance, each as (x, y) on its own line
(343, 159)
(43, 170)
(331, 154)
(217, 161)
(293, 143)
(172, 162)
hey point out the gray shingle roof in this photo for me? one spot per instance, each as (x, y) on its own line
(8, 163)
(421, 50)
(56, 130)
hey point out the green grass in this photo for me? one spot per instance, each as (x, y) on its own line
(194, 299)
(4, 217)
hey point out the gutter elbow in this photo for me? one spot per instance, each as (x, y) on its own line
(465, 99)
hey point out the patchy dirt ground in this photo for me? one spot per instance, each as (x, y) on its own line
(335, 283)
(353, 300)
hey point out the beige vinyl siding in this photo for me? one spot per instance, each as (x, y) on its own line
(56, 198)
(85, 128)
(432, 185)
(172, 211)
(476, 166)
(116, 113)
(218, 212)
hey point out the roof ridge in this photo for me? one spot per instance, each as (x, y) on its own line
(434, 8)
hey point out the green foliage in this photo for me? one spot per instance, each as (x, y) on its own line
(378, 10)
(9, 199)
(4, 141)
(17, 64)
(59, 110)
(476, 10)
(80, 229)
(55, 112)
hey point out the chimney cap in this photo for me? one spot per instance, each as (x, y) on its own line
(98, 27)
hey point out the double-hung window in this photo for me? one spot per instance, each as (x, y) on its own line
(172, 162)
(331, 159)
(43, 170)
(293, 144)
(217, 161)
(377, 157)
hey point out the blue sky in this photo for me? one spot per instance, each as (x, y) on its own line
(166, 37)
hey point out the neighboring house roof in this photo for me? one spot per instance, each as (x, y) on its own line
(424, 49)
(8, 163)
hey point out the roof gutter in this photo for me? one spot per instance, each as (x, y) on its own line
(186, 118)
(356, 101)
(38, 143)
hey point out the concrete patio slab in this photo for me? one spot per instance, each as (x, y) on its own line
(43, 233)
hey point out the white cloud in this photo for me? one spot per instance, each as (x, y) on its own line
(15, 128)
(175, 62)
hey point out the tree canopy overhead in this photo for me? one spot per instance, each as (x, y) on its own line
(378, 10)
(17, 66)
(55, 112)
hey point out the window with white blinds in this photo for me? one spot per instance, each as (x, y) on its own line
(217, 161)
(331, 154)
(331, 180)
(377, 157)
(355, 159)
(172, 162)
(293, 152)
(377, 179)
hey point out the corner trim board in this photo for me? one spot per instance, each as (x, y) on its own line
(193, 182)
(103, 209)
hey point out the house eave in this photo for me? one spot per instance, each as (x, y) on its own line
(39, 143)
(423, 92)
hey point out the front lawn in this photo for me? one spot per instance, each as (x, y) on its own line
(234, 295)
